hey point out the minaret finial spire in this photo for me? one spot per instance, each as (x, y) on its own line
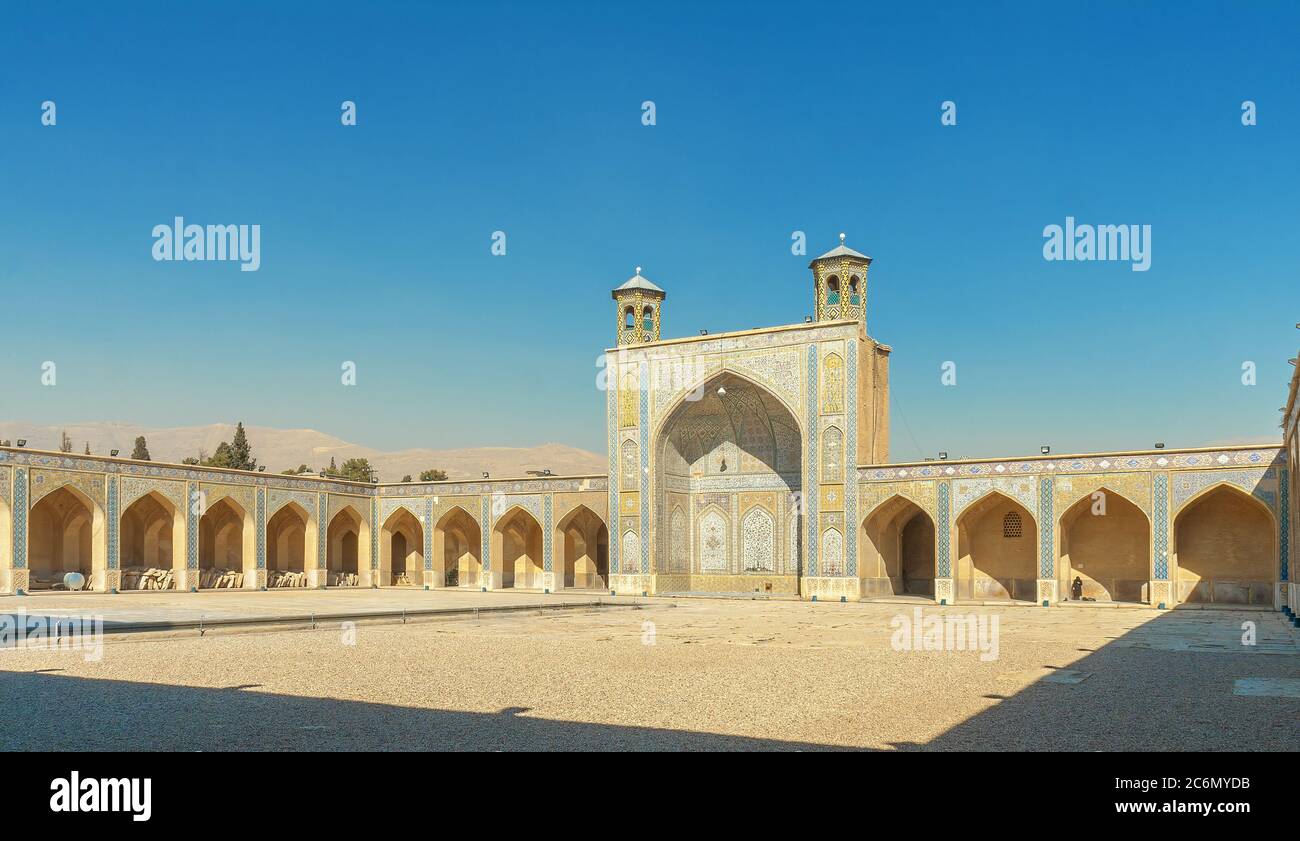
(638, 271)
(841, 239)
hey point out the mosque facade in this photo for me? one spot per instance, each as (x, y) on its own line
(743, 463)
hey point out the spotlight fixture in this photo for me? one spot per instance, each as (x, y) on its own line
(807, 319)
(943, 455)
(22, 442)
(322, 474)
(1044, 449)
(485, 474)
(704, 332)
(722, 391)
(1160, 445)
(114, 453)
(261, 468)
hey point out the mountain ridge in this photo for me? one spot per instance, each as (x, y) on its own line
(285, 449)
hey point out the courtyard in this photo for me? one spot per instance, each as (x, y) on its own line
(586, 672)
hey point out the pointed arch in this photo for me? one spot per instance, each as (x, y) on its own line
(401, 549)
(630, 552)
(1104, 542)
(67, 532)
(227, 545)
(151, 543)
(714, 540)
(583, 541)
(758, 541)
(896, 552)
(832, 553)
(517, 547)
(290, 546)
(1225, 547)
(457, 544)
(347, 547)
(989, 564)
(701, 387)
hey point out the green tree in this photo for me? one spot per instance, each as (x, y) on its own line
(141, 451)
(406, 478)
(241, 454)
(87, 448)
(357, 469)
(190, 460)
(65, 445)
(433, 475)
(220, 458)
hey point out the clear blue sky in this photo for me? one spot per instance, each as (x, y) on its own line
(527, 118)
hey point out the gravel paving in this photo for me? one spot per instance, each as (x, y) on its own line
(729, 675)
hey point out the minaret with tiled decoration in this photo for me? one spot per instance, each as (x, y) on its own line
(840, 294)
(639, 304)
(840, 284)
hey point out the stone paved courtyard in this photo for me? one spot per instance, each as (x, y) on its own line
(719, 675)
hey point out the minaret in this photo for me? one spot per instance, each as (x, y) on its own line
(639, 303)
(840, 284)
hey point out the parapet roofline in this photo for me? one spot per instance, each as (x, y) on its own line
(1230, 448)
(313, 476)
(709, 337)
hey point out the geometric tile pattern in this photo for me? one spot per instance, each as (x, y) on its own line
(1046, 559)
(1187, 485)
(1260, 456)
(547, 514)
(20, 518)
(485, 535)
(428, 532)
(612, 430)
(261, 528)
(413, 505)
(850, 455)
(1160, 526)
(810, 502)
(114, 524)
(322, 529)
(644, 417)
(192, 526)
(941, 522)
(1285, 536)
(967, 491)
(134, 487)
(374, 533)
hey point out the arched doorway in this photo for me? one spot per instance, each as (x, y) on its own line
(997, 550)
(344, 539)
(1225, 548)
(66, 533)
(287, 547)
(1106, 544)
(401, 550)
(457, 543)
(897, 550)
(517, 549)
(585, 550)
(744, 443)
(152, 544)
(227, 546)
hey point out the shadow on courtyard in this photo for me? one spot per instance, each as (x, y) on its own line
(1166, 685)
(60, 713)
